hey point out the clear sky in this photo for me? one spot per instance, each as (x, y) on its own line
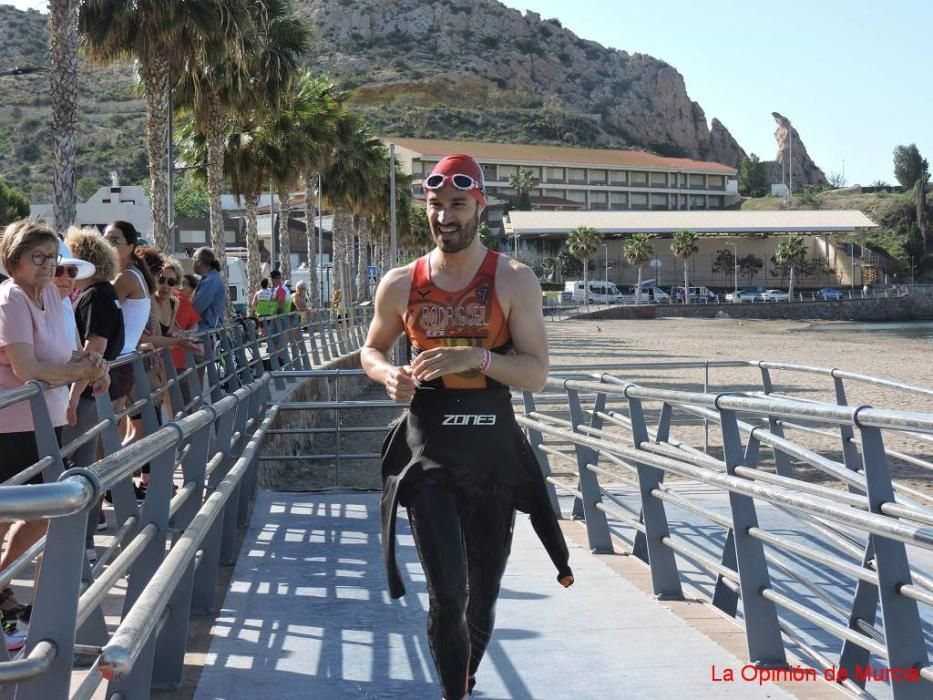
(852, 75)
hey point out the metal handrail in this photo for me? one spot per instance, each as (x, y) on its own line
(215, 446)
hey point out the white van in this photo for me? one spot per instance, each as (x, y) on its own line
(599, 292)
(236, 283)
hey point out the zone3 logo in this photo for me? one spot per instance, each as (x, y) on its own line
(469, 419)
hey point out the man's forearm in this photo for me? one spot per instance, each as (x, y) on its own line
(375, 364)
(523, 371)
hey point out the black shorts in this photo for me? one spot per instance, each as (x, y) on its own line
(122, 380)
(19, 452)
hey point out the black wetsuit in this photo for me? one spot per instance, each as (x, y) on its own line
(460, 464)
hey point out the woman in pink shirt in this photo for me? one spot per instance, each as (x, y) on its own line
(34, 344)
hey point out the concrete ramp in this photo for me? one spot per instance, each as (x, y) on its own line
(308, 616)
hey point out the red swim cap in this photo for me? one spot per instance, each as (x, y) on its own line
(460, 164)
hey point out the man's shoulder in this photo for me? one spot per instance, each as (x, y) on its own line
(512, 275)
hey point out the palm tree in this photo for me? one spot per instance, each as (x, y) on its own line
(63, 64)
(350, 180)
(251, 73)
(583, 242)
(161, 36)
(523, 182)
(684, 246)
(792, 252)
(638, 252)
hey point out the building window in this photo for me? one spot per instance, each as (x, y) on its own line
(659, 179)
(489, 172)
(554, 175)
(697, 181)
(717, 182)
(191, 236)
(598, 177)
(637, 179)
(576, 196)
(576, 176)
(507, 171)
(230, 235)
(639, 200)
(618, 177)
(618, 200)
(697, 201)
(599, 200)
(659, 201)
(716, 201)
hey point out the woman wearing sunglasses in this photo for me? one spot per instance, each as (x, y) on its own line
(33, 345)
(68, 271)
(177, 318)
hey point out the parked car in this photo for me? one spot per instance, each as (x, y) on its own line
(698, 295)
(599, 292)
(744, 294)
(829, 293)
(649, 295)
(773, 295)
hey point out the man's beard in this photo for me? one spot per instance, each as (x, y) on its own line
(460, 240)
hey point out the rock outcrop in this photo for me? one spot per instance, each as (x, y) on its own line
(405, 46)
(802, 171)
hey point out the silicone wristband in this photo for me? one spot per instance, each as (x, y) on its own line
(484, 363)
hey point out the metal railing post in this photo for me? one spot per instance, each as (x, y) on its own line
(536, 439)
(904, 640)
(55, 610)
(762, 631)
(597, 528)
(665, 580)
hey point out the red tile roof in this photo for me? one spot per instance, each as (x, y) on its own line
(555, 155)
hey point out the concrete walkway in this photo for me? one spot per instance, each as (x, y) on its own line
(308, 616)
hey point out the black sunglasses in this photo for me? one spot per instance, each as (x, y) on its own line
(69, 270)
(167, 281)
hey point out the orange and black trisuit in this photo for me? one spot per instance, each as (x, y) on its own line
(460, 464)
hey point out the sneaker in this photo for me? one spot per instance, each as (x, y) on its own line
(15, 639)
(101, 521)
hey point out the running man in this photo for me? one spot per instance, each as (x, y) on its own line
(457, 460)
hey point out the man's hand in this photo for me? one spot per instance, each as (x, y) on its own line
(400, 385)
(100, 386)
(437, 362)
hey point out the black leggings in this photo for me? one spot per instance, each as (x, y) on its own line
(464, 538)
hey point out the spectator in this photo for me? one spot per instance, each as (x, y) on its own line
(262, 300)
(134, 284)
(68, 271)
(189, 283)
(97, 312)
(178, 319)
(211, 299)
(300, 301)
(280, 295)
(33, 346)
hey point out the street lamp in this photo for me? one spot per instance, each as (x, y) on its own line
(735, 269)
(606, 283)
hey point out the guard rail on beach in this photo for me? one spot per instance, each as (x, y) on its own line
(168, 549)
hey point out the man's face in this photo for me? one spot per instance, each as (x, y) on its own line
(453, 216)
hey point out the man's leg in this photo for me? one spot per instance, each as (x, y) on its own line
(435, 523)
(488, 522)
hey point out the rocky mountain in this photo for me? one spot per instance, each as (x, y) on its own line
(419, 68)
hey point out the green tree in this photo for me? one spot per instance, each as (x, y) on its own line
(13, 204)
(87, 186)
(486, 236)
(523, 182)
(724, 262)
(684, 246)
(750, 265)
(638, 252)
(162, 36)
(191, 197)
(753, 177)
(582, 243)
(909, 165)
(791, 252)
(568, 266)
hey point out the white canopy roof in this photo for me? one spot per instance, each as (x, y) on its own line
(546, 223)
